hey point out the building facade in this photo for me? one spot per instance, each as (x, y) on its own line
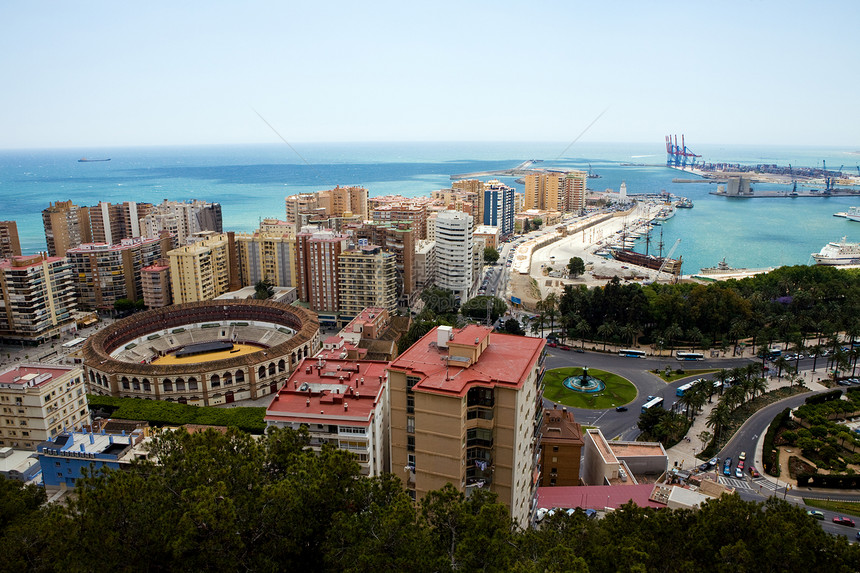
(499, 208)
(317, 254)
(561, 448)
(466, 409)
(66, 226)
(341, 402)
(182, 219)
(267, 256)
(367, 277)
(155, 284)
(105, 273)
(454, 252)
(203, 270)
(37, 295)
(39, 402)
(10, 245)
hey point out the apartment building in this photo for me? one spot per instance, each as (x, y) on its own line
(367, 277)
(37, 296)
(317, 271)
(182, 219)
(411, 211)
(38, 402)
(561, 448)
(466, 409)
(10, 245)
(454, 252)
(424, 264)
(396, 237)
(341, 402)
(105, 273)
(269, 255)
(111, 223)
(155, 284)
(66, 226)
(499, 208)
(563, 191)
(203, 270)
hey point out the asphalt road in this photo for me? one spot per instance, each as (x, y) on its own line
(623, 425)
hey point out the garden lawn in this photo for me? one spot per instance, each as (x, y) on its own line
(618, 390)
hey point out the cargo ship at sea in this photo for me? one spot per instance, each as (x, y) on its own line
(838, 253)
(85, 160)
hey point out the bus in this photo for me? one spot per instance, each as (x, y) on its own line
(630, 353)
(689, 355)
(681, 389)
(655, 402)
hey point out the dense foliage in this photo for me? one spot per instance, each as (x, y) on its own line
(159, 413)
(786, 305)
(234, 503)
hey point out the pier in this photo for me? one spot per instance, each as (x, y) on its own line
(520, 170)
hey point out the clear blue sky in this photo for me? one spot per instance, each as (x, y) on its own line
(85, 74)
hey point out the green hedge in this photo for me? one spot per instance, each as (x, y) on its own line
(159, 413)
(769, 458)
(829, 481)
(825, 397)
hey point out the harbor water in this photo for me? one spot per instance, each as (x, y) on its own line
(252, 181)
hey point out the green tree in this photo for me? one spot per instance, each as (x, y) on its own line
(476, 308)
(491, 255)
(512, 326)
(576, 266)
(439, 300)
(264, 290)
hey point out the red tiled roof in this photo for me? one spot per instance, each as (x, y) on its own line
(506, 361)
(21, 375)
(596, 496)
(323, 402)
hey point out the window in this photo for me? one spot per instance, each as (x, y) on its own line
(555, 448)
(410, 443)
(410, 424)
(410, 460)
(411, 381)
(410, 403)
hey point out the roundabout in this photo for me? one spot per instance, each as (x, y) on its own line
(588, 388)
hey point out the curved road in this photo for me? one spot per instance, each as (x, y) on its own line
(623, 425)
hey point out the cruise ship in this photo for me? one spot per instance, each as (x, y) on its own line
(838, 253)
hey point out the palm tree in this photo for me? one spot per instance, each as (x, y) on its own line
(719, 417)
(582, 329)
(550, 308)
(698, 400)
(686, 401)
(672, 332)
(736, 330)
(722, 376)
(734, 396)
(606, 330)
(628, 332)
(815, 349)
(759, 386)
(781, 363)
(695, 335)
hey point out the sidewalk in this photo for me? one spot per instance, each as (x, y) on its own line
(684, 452)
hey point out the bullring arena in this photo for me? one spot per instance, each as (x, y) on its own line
(233, 350)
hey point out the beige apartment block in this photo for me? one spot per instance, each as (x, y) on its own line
(465, 409)
(368, 278)
(203, 270)
(10, 245)
(38, 402)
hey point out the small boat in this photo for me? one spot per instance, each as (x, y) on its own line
(722, 267)
(85, 160)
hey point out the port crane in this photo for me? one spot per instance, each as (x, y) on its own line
(678, 154)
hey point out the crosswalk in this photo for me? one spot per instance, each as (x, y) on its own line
(760, 485)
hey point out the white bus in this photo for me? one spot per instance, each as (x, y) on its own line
(630, 353)
(679, 391)
(689, 355)
(655, 402)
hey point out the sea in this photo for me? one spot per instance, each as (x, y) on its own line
(251, 182)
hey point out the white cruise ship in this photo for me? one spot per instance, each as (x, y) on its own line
(841, 253)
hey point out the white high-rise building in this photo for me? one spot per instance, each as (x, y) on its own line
(454, 252)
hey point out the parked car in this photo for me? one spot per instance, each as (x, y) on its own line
(563, 347)
(704, 467)
(712, 462)
(739, 472)
(552, 344)
(814, 513)
(742, 456)
(841, 520)
(577, 349)
(621, 409)
(754, 472)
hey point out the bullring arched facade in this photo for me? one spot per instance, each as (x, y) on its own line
(116, 359)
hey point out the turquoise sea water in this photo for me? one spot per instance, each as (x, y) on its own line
(252, 181)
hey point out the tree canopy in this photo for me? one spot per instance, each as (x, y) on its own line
(491, 255)
(228, 502)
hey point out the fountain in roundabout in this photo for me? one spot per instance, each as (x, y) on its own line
(584, 383)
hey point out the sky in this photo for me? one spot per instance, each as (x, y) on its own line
(103, 74)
